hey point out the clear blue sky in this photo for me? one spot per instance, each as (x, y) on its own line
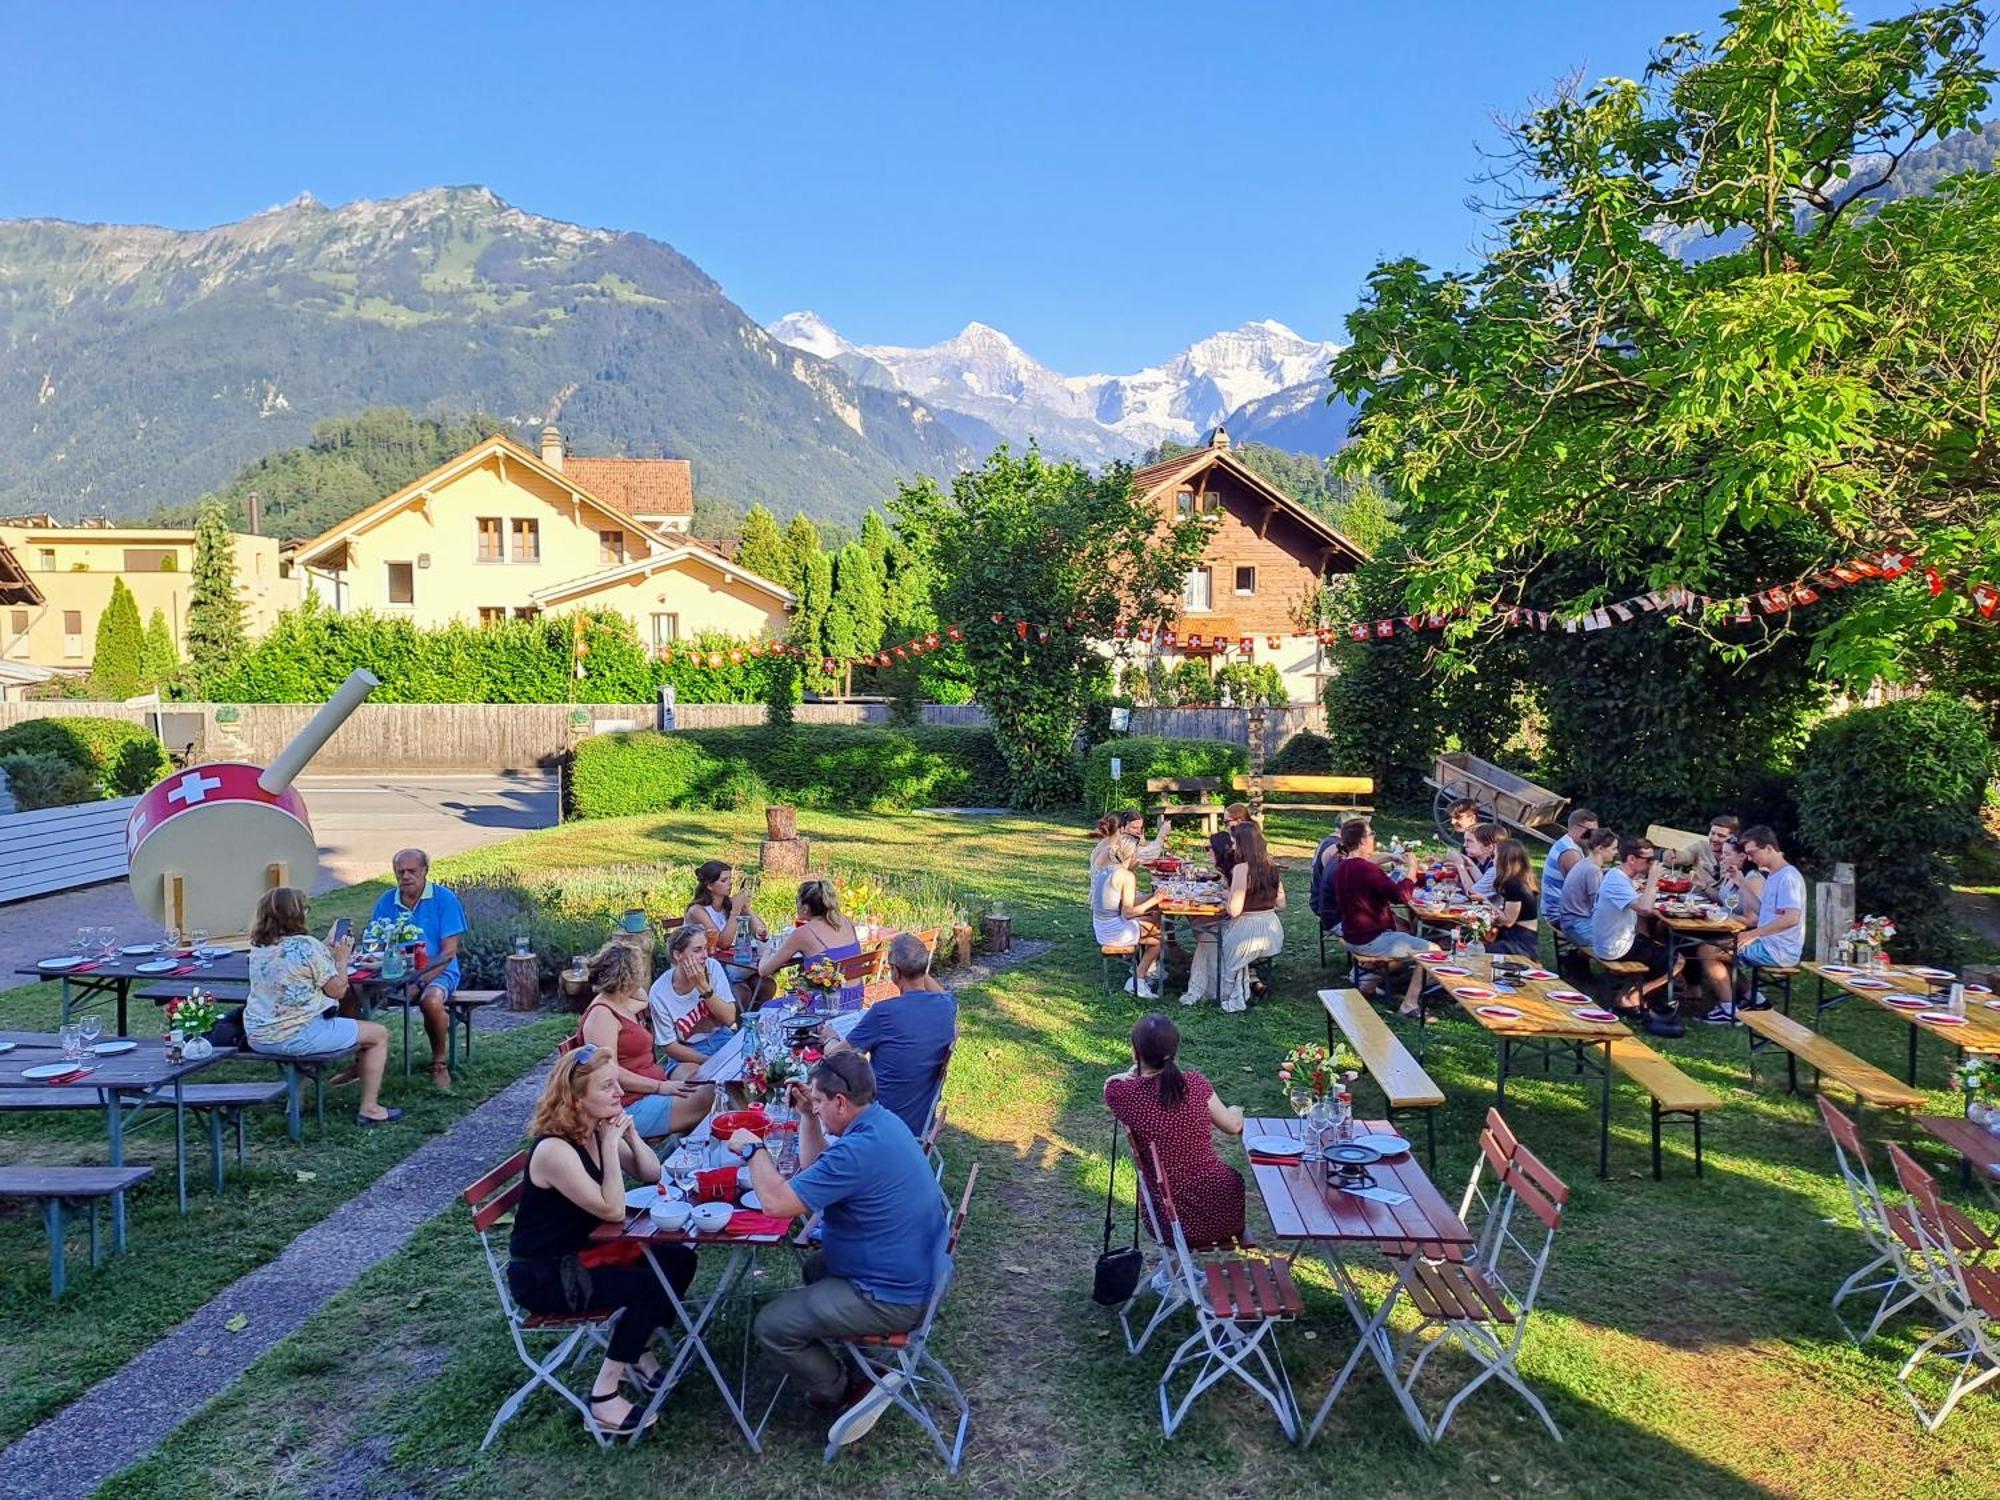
(1105, 182)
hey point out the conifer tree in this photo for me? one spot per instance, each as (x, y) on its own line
(159, 663)
(215, 612)
(764, 551)
(114, 663)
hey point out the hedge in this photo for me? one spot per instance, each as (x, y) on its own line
(1143, 756)
(90, 743)
(846, 767)
(39, 780)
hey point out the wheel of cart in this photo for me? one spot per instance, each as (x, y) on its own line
(1501, 797)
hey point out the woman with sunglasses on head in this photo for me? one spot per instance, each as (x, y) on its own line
(694, 1015)
(619, 1021)
(821, 932)
(584, 1149)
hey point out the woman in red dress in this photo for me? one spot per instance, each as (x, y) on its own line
(1177, 1113)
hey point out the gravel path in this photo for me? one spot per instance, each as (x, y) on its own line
(120, 1419)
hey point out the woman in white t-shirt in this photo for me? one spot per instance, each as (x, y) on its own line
(694, 1012)
(1120, 917)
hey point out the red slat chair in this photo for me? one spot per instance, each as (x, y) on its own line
(1964, 1293)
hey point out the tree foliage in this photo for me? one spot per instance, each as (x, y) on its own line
(215, 611)
(762, 548)
(1068, 552)
(115, 659)
(1583, 393)
(159, 662)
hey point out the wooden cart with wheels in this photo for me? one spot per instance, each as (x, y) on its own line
(1501, 796)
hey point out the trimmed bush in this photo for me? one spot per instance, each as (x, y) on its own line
(90, 743)
(136, 767)
(1144, 756)
(831, 766)
(1305, 754)
(44, 780)
(1892, 790)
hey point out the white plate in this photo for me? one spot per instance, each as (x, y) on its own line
(1838, 969)
(1869, 984)
(157, 966)
(1274, 1145)
(1536, 974)
(6, 1046)
(1906, 1002)
(1593, 1013)
(1388, 1145)
(69, 962)
(139, 950)
(1568, 997)
(1473, 992)
(112, 1049)
(214, 952)
(52, 1070)
(1940, 1018)
(1931, 973)
(1500, 1012)
(752, 1202)
(641, 1198)
(1449, 969)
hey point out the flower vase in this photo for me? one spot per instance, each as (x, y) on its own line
(1977, 1110)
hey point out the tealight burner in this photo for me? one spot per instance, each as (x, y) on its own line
(1347, 1165)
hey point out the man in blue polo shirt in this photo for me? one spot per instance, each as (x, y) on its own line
(437, 914)
(883, 1239)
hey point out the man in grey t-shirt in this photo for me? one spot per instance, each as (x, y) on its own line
(1776, 942)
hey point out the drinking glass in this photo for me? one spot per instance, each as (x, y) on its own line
(199, 937)
(85, 936)
(71, 1036)
(91, 1024)
(170, 939)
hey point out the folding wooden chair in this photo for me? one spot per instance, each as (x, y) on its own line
(902, 1364)
(1965, 1294)
(1472, 1303)
(1238, 1305)
(930, 1139)
(1166, 1282)
(492, 1200)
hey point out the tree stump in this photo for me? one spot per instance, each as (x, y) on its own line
(999, 933)
(786, 857)
(962, 939)
(781, 823)
(524, 982)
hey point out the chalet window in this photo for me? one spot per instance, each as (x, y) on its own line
(402, 583)
(610, 547)
(492, 546)
(527, 541)
(1184, 503)
(1198, 593)
(666, 630)
(149, 560)
(1246, 578)
(72, 632)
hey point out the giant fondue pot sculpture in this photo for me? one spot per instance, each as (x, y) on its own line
(208, 841)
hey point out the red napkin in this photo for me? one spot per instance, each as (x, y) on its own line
(86, 968)
(1272, 1161)
(69, 1077)
(747, 1222)
(184, 969)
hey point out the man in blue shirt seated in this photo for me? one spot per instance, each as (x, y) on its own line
(907, 1039)
(437, 914)
(882, 1244)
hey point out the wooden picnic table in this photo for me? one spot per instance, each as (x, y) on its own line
(1884, 989)
(1302, 1205)
(1975, 1144)
(125, 1084)
(1688, 928)
(115, 976)
(1545, 1025)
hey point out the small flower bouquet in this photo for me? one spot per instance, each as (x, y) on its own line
(1978, 1078)
(1480, 924)
(195, 1014)
(821, 979)
(1312, 1068)
(1876, 931)
(767, 1076)
(391, 932)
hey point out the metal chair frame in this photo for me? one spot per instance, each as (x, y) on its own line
(1907, 1272)
(1520, 1178)
(1166, 1283)
(1966, 1297)
(1221, 1345)
(908, 1356)
(492, 1200)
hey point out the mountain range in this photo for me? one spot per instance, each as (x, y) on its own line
(1261, 380)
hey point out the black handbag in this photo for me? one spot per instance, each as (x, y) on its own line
(1118, 1270)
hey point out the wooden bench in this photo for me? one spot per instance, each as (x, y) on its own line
(1183, 787)
(1291, 788)
(1404, 1084)
(221, 1104)
(459, 1008)
(55, 1188)
(1673, 1093)
(1869, 1084)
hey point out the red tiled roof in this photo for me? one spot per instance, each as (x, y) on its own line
(637, 486)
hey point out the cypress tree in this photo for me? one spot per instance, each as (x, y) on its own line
(159, 663)
(763, 549)
(215, 613)
(114, 663)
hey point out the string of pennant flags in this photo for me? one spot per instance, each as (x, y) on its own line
(1808, 589)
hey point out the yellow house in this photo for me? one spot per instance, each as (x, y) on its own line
(500, 532)
(58, 581)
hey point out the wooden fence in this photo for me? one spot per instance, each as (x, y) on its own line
(60, 848)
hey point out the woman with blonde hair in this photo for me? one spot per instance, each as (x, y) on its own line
(1121, 918)
(583, 1148)
(619, 1021)
(296, 983)
(820, 931)
(1133, 822)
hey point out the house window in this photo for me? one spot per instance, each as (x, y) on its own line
(610, 547)
(402, 583)
(1246, 578)
(1198, 593)
(48, 563)
(18, 622)
(492, 614)
(72, 632)
(527, 541)
(666, 630)
(149, 560)
(492, 544)
(1184, 503)
(525, 612)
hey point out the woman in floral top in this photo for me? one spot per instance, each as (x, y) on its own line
(294, 980)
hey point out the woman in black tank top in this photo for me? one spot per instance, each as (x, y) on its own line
(585, 1149)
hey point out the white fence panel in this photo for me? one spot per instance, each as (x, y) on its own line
(61, 848)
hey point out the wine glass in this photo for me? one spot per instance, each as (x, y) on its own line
(85, 936)
(91, 1025)
(199, 937)
(70, 1034)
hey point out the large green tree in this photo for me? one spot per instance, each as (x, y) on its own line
(854, 619)
(809, 616)
(763, 551)
(114, 661)
(1072, 554)
(159, 662)
(1815, 367)
(215, 610)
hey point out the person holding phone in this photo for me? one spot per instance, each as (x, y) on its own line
(721, 911)
(436, 913)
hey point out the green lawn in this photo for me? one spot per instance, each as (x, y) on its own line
(1684, 1343)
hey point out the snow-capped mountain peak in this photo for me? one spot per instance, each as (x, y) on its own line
(983, 376)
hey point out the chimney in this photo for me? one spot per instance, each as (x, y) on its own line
(552, 447)
(256, 508)
(1220, 441)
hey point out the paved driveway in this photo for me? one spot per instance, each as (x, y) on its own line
(360, 821)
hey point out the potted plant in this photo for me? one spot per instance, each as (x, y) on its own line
(1978, 1078)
